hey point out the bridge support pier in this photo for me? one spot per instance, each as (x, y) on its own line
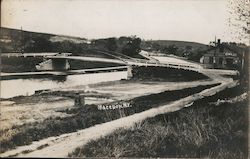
(54, 64)
(129, 72)
(60, 64)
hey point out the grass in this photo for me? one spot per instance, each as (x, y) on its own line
(86, 116)
(203, 130)
(163, 73)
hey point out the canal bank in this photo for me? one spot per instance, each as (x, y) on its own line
(59, 143)
(42, 116)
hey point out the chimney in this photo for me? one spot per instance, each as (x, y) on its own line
(218, 42)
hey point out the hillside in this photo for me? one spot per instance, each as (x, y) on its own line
(190, 50)
(160, 44)
(13, 40)
(180, 44)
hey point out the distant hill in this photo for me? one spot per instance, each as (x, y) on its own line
(180, 44)
(14, 40)
(61, 38)
(190, 50)
(159, 44)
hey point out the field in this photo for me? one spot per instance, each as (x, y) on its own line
(210, 128)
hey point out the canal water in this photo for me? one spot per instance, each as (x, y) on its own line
(28, 86)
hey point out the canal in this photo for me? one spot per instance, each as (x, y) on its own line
(28, 85)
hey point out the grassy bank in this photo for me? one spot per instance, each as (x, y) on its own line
(206, 129)
(28, 64)
(86, 116)
(162, 73)
(19, 64)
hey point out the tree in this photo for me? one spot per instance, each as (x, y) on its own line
(136, 45)
(133, 46)
(187, 51)
(239, 19)
(39, 44)
(111, 44)
(156, 46)
(188, 48)
(171, 49)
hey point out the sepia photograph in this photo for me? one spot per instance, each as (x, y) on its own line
(124, 79)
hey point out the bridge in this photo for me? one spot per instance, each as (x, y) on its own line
(60, 60)
(126, 61)
(118, 58)
(130, 62)
(40, 54)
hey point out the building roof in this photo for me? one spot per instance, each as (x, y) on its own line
(220, 50)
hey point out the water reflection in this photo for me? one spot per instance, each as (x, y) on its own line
(28, 86)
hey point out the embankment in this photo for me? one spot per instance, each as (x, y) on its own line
(204, 130)
(82, 117)
(62, 145)
(164, 73)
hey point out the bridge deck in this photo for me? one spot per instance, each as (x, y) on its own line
(42, 54)
(96, 59)
(67, 72)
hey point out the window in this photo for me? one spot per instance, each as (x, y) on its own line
(220, 60)
(210, 59)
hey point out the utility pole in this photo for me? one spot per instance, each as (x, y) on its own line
(242, 60)
(215, 48)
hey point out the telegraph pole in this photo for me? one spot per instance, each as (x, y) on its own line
(215, 48)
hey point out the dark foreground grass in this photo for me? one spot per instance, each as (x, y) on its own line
(89, 115)
(202, 130)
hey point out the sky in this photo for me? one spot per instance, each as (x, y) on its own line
(186, 20)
